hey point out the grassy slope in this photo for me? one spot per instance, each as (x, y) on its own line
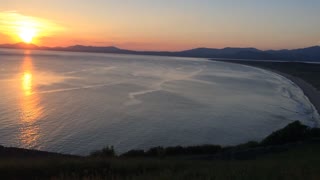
(290, 153)
(300, 162)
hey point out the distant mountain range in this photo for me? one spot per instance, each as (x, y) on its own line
(303, 54)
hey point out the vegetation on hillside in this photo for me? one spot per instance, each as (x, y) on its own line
(290, 153)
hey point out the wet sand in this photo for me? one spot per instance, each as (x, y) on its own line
(309, 90)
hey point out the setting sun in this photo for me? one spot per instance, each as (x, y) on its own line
(27, 29)
(27, 34)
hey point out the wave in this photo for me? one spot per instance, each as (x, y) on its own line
(76, 88)
(89, 69)
(158, 86)
(300, 99)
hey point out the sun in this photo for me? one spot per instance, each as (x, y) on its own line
(27, 33)
(18, 27)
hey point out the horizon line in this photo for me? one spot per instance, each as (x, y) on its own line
(118, 47)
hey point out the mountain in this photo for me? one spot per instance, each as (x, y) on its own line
(303, 54)
(19, 46)
(81, 48)
(216, 53)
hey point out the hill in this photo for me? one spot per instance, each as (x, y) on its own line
(290, 153)
(303, 54)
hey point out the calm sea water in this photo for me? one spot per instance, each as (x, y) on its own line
(80, 102)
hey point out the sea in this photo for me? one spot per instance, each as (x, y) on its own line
(76, 103)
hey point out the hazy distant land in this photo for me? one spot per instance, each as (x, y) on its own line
(302, 54)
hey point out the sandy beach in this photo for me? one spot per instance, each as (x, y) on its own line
(308, 89)
(311, 92)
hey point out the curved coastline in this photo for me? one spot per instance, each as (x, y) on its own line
(308, 90)
(311, 93)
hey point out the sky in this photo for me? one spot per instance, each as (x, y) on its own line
(163, 24)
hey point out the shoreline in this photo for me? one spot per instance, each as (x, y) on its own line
(293, 135)
(308, 90)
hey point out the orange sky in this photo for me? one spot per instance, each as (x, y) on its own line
(163, 25)
(56, 33)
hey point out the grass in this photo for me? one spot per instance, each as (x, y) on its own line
(299, 158)
(298, 163)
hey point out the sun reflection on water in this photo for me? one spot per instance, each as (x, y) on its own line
(27, 83)
(31, 110)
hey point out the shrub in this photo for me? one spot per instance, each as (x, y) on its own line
(292, 133)
(314, 133)
(105, 152)
(250, 144)
(134, 153)
(204, 149)
(156, 151)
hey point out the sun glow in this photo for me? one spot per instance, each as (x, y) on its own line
(27, 33)
(27, 29)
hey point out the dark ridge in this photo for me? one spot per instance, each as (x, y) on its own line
(12, 152)
(287, 153)
(303, 54)
(278, 141)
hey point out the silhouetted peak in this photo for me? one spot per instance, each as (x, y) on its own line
(240, 49)
(83, 46)
(20, 45)
(200, 49)
(303, 54)
(224, 49)
(313, 47)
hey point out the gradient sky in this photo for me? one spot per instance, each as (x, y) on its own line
(174, 24)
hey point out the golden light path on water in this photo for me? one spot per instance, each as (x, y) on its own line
(31, 110)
